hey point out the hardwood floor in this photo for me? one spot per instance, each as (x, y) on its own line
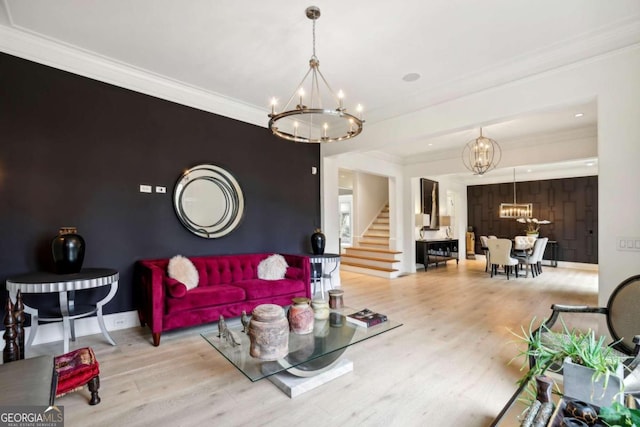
(448, 365)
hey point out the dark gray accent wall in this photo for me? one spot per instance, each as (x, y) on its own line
(570, 204)
(73, 152)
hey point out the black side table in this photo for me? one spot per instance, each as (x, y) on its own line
(65, 285)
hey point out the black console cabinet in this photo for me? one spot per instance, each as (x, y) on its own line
(436, 251)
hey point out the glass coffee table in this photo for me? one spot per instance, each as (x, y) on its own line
(313, 358)
(512, 413)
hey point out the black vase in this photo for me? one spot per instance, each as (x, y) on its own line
(317, 242)
(67, 249)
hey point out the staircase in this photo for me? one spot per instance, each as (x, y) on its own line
(372, 255)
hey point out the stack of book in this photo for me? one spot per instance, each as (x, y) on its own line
(366, 318)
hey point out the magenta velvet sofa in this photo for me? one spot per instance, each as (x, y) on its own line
(227, 285)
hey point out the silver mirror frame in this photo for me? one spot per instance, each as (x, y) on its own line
(225, 196)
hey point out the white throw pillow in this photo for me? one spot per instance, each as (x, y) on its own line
(273, 267)
(183, 270)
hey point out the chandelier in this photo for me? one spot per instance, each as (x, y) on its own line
(482, 154)
(308, 120)
(516, 210)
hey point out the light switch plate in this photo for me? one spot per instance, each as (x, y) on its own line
(145, 188)
(629, 244)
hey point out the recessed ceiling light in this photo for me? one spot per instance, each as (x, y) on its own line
(411, 77)
(590, 163)
(578, 115)
(528, 170)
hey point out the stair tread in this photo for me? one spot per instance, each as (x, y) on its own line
(386, 251)
(374, 245)
(370, 267)
(371, 258)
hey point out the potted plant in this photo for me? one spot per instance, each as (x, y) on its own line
(592, 370)
(620, 415)
(533, 225)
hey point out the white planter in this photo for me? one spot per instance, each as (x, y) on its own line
(578, 383)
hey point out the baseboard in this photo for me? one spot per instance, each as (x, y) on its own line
(562, 264)
(52, 332)
(576, 265)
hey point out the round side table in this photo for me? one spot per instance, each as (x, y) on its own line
(65, 285)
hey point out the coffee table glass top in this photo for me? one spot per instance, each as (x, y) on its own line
(308, 354)
(512, 414)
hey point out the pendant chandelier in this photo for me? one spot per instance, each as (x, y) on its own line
(482, 154)
(516, 210)
(308, 120)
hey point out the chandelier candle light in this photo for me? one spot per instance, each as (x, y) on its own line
(482, 154)
(312, 122)
(516, 210)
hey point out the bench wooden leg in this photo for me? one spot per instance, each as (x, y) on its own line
(94, 385)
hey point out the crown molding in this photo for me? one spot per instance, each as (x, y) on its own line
(87, 64)
(582, 48)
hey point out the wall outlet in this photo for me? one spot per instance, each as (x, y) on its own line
(160, 189)
(119, 321)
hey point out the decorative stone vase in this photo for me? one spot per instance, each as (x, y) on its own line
(578, 383)
(320, 309)
(67, 249)
(318, 241)
(268, 332)
(335, 298)
(301, 316)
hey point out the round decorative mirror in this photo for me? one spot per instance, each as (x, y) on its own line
(208, 201)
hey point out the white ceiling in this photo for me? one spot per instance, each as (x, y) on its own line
(245, 52)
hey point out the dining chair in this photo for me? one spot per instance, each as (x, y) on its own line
(500, 253)
(531, 260)
(523, 243)
(541, 254)
(485, 251)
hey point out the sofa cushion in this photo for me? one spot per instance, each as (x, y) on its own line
(258, 288)
(183, 270)
(175, 288)
(273, 267)
(294, 273)
(206, 296)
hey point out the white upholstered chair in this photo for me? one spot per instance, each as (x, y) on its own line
(523, 243)
(540, 254)
(500, 253)
(533, 260)
(485, 251)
